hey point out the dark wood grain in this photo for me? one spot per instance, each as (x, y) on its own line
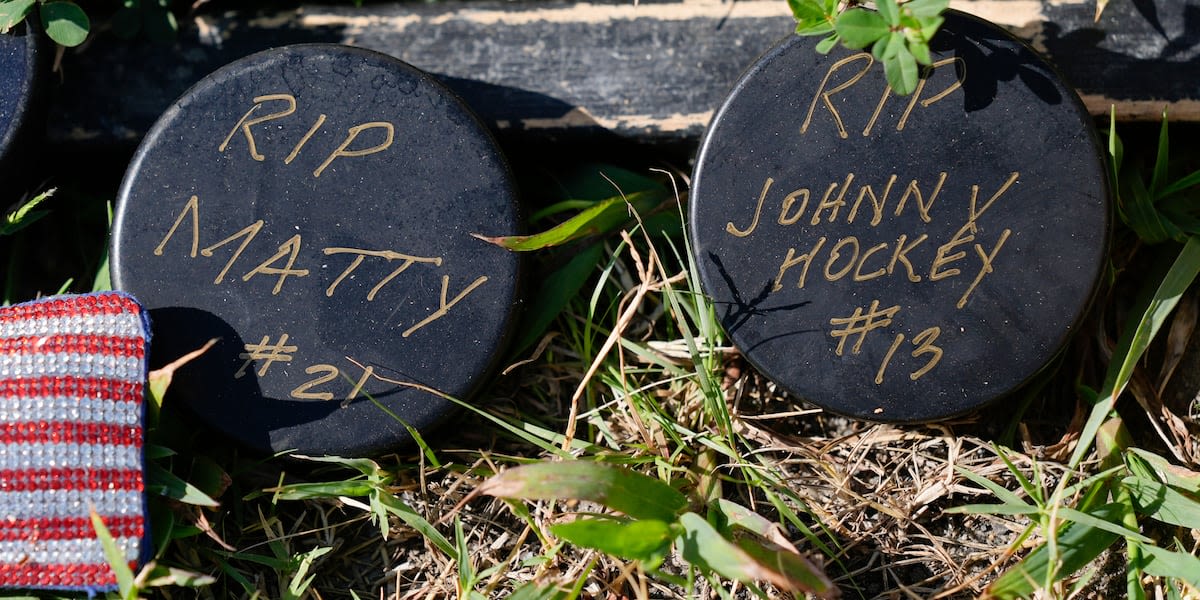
(654, 72)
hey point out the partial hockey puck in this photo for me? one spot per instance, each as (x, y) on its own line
(20, 93)
(312, 208)
(901, 258)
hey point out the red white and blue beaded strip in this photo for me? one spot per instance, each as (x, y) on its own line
(72, 388)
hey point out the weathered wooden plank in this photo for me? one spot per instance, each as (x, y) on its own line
(653, 71)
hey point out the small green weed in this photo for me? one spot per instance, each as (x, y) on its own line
(897, 32)
(68, 24)
(656, 518)
(373, 483)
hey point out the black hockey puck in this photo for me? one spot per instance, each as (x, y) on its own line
(901, 258)
(21, 122)
(312, 208)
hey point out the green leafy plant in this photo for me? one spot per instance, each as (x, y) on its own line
(63, 20)
(897, 32)
(655, 519)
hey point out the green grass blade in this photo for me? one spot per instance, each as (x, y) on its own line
(413, 519)
(310, 491)
(1133, 548)
(237, 577)
(606, 274)
(1031, 490)
(1078, 544)
(1116, 150)
(161, 576)
(165, 483)
(597, 181)
(418, 439)
(25, 215)
(283, 563)
(535, 591)
(560, 207)
(690, 305)
(1134, 341)
(790, 517)
(556, 440)
(1141, 214)
(1158, 177)
(1172, 564)
(1083, 518)
(601, 218)
(116, 558)
(162, 526)
(416, 436)
(518, 429)
(1098, 480)
(1003, 494)
(301, 580)
(462, 556)
(994, 509)
(1179, 211)
(102, 282)
(1181, 184)
(365, 466)
(622, 490)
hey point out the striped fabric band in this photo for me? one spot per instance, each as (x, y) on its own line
(72, 385)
